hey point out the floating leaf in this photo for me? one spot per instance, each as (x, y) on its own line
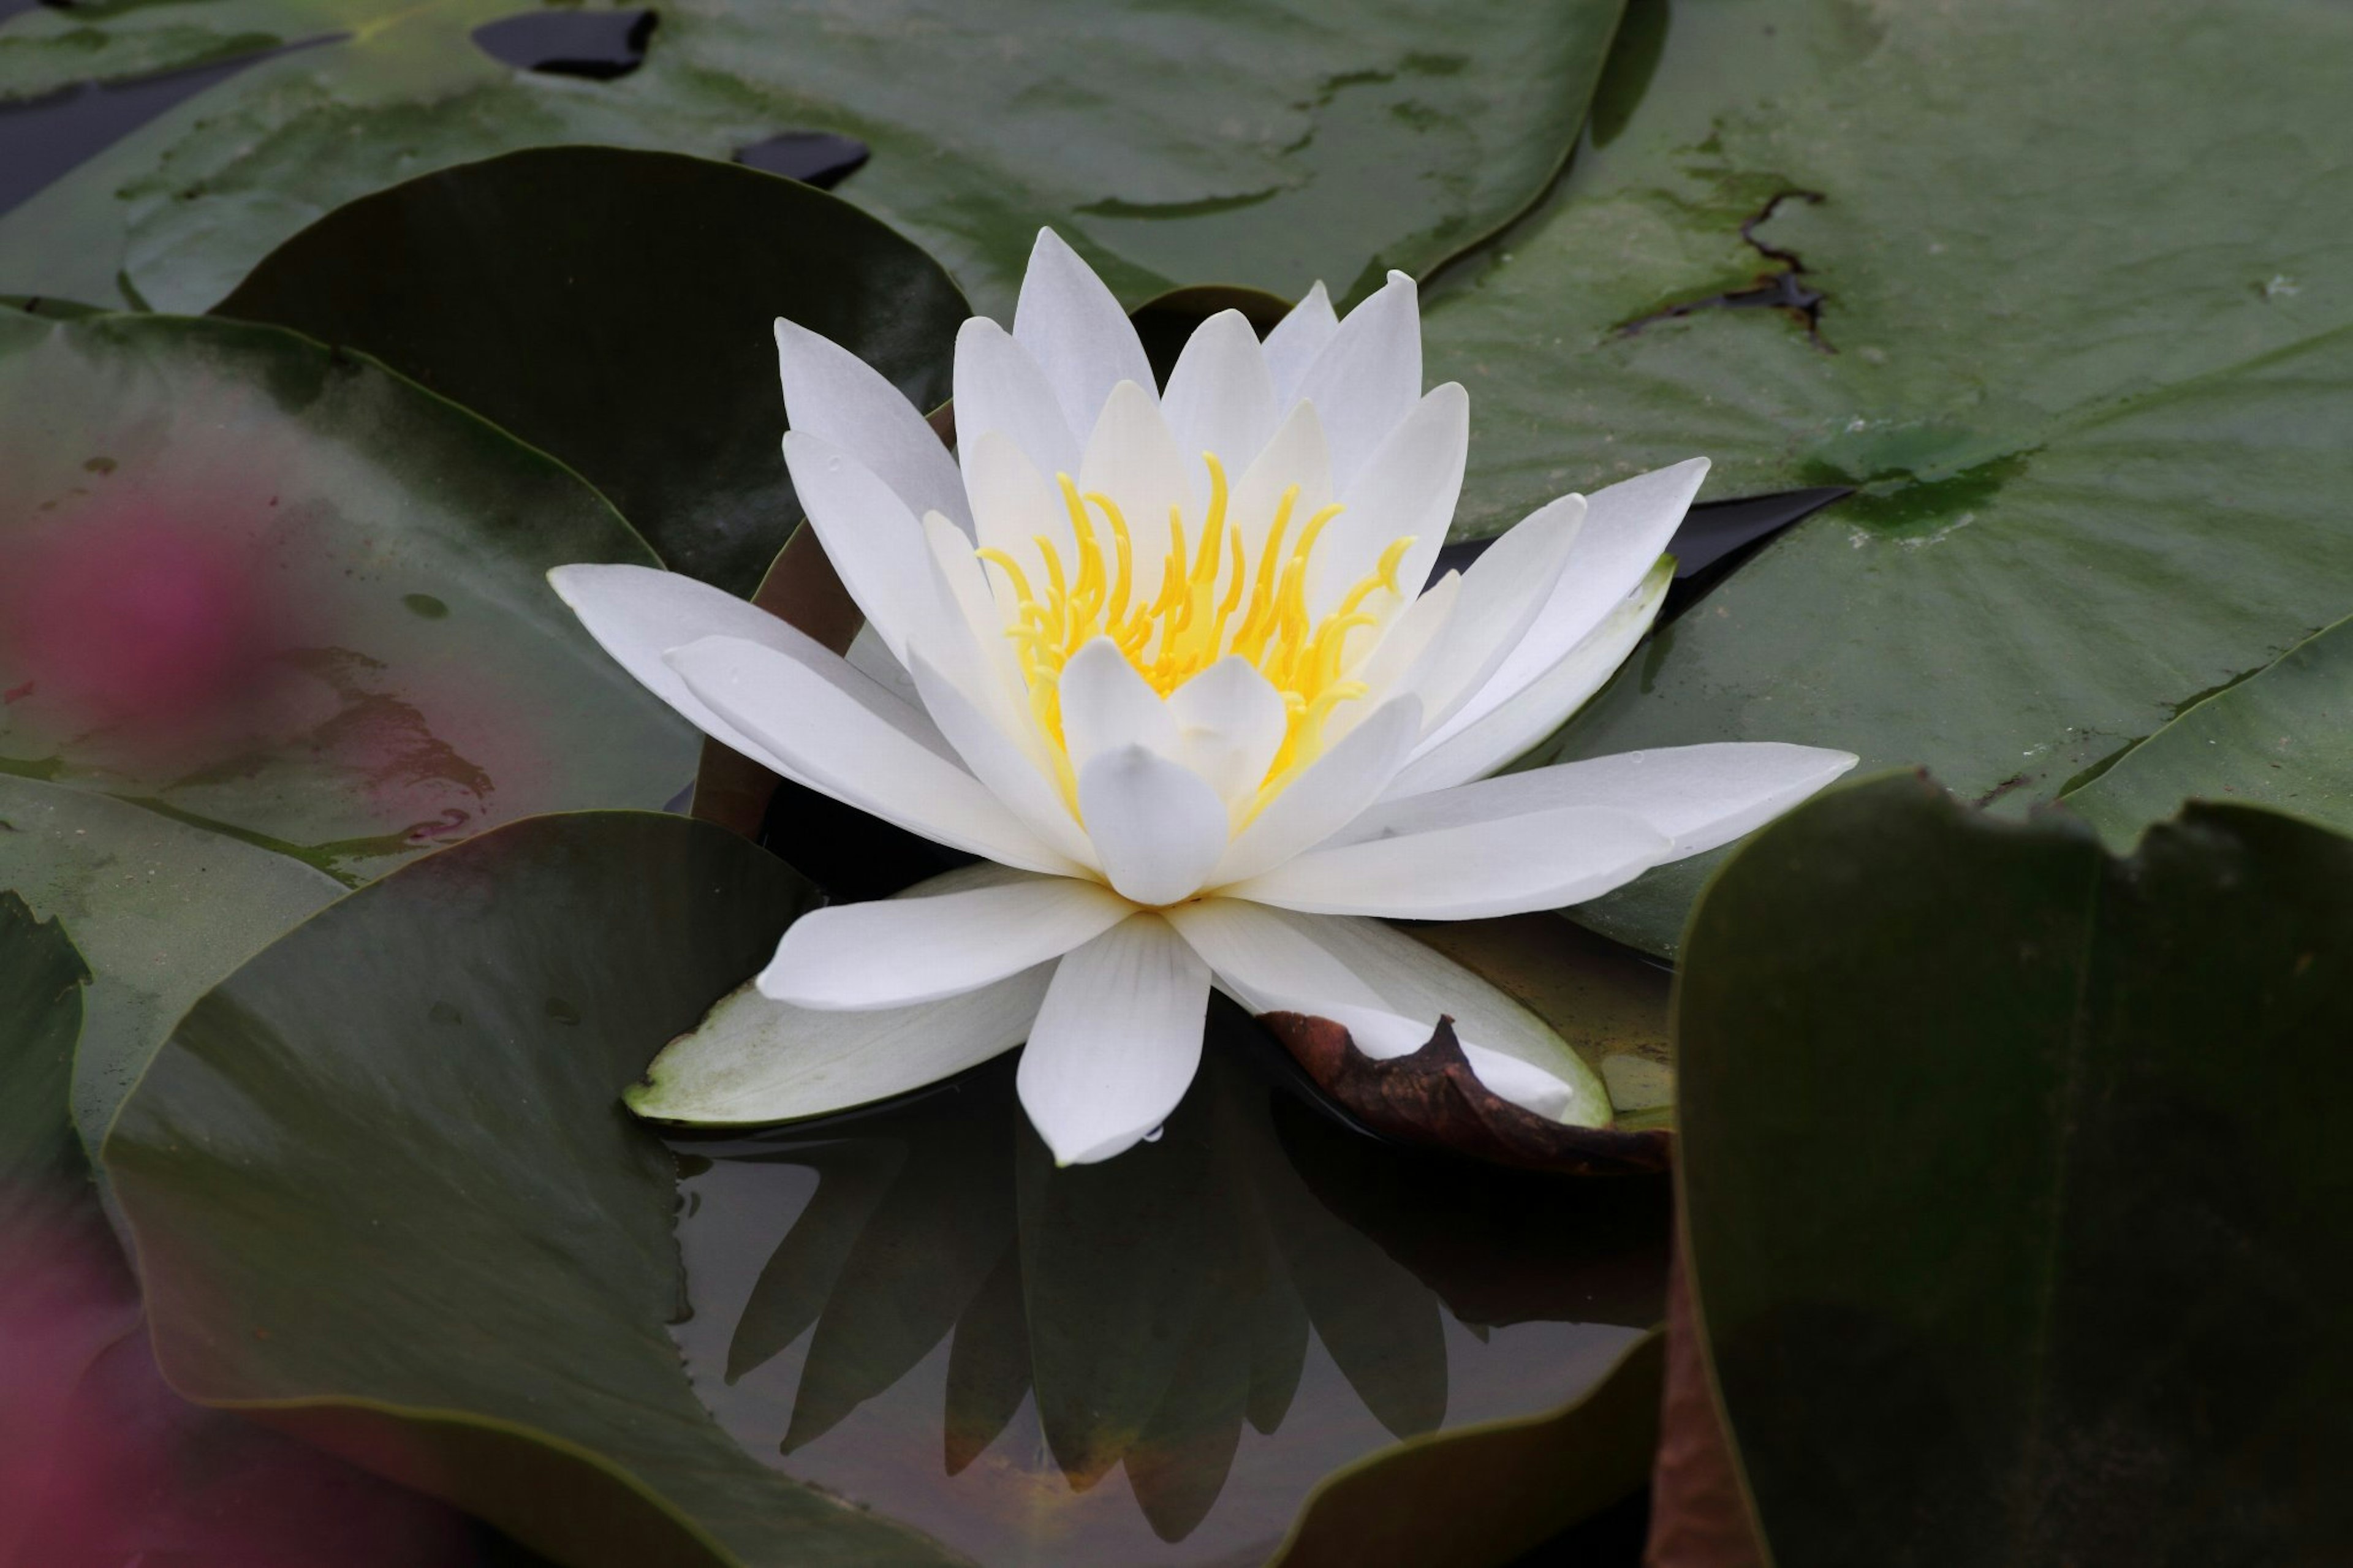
(2086, 355)
(2016, 1183)
(612, 308)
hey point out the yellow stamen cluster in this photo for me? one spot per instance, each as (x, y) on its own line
(1213, 600)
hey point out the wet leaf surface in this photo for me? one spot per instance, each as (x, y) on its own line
(1269, 148)
(613, 307)
(2016, 1180)
(277, 592)
(2091, 365)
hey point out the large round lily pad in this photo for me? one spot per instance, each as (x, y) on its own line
(2084, 338)
(2016, 1179)
(612, 308)
(280, 592)
(1267, 145)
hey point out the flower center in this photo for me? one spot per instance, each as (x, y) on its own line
(1214, 599)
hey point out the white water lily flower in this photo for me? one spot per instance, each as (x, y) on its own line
(1171, 663)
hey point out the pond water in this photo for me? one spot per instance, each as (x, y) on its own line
(1153, 1359)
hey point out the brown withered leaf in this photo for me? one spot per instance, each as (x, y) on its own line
(1431, 1097)
(1700, 1516)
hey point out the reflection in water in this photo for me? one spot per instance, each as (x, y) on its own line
(1151, 1359)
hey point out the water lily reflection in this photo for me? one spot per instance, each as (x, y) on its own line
(918, 1310)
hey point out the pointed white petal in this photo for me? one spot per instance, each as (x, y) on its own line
(1368, 376)
(844, 736)
(831, 391)
(1107, 705)
(1116, 1041)
(1230, 722)
(1295, 342)
(1410, 640)
(873, 540)
(1157, 827)
(636, 613)
(1133, 459)
(1220, 398)
(1075, 330)
(1409, 488)
(1502, 595)
(870, 657)
(1327, 795)
(1699, 796)
(897, 952)
(1267, 960)
(1012, 505)
(1003, 764)
(1527, 1086)
(999, 387)
(1296, 456)
(1627, 528)
(1540, 861)
(978, 651)
(1543, 705)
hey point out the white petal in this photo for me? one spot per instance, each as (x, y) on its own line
(1295, 342)
(1132, 458)
(1220, 398)
(860, 746)
(870, 657)
(1528, 1086)
(1327, 795)
(981, 660)
(999, 387)
(1368, 376)
(897, 952)
(1296, 456)
(1408, 642)
(1699, 796)
(1502, 595)
(873, 541)
(636, 613)
(1001, 761)
(1543, 705)
(1075, 330)
(1157, 827)
(1117, 1042)
(1408, 489)
(754, 1061)
(1268, 961)
(1540, 861)
(832, 392)
(1230, 722)
(1012, 505)
(1106, 705)
(1627, 528)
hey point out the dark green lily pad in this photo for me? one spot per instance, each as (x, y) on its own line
(2018, 1199)
(2087, 350)
(1266, 147)
(278, 592)
(2283, 738)
(612, 308)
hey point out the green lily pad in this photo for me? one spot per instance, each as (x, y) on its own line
(2087, 350)
(164, 910)
(2016, 1180)
(1266, 148)
(41, 981)
(2282, 738)
(612, 308)
(278, 592)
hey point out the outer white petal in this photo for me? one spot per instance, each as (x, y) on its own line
(999, 387)
(1157, 827)
(1296, 456)
(1540, 861)
(1531, 1088)
(873, 541)
(1117, 1042)
(999, 760)
(1543, 705)
(1409, 488)
(1295, 342)
(832, 392)
(1132, 458)
(1627, 528)
(1266, 958)
(870, 657)
(1699, 796)
(897, 952)
(1230, 722)
(1502, 593)
(803, 708)
(1368, 376)
(1220, 398)
(636, 613)
(1075, 330)
(1327, 795)
(1107, 705)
